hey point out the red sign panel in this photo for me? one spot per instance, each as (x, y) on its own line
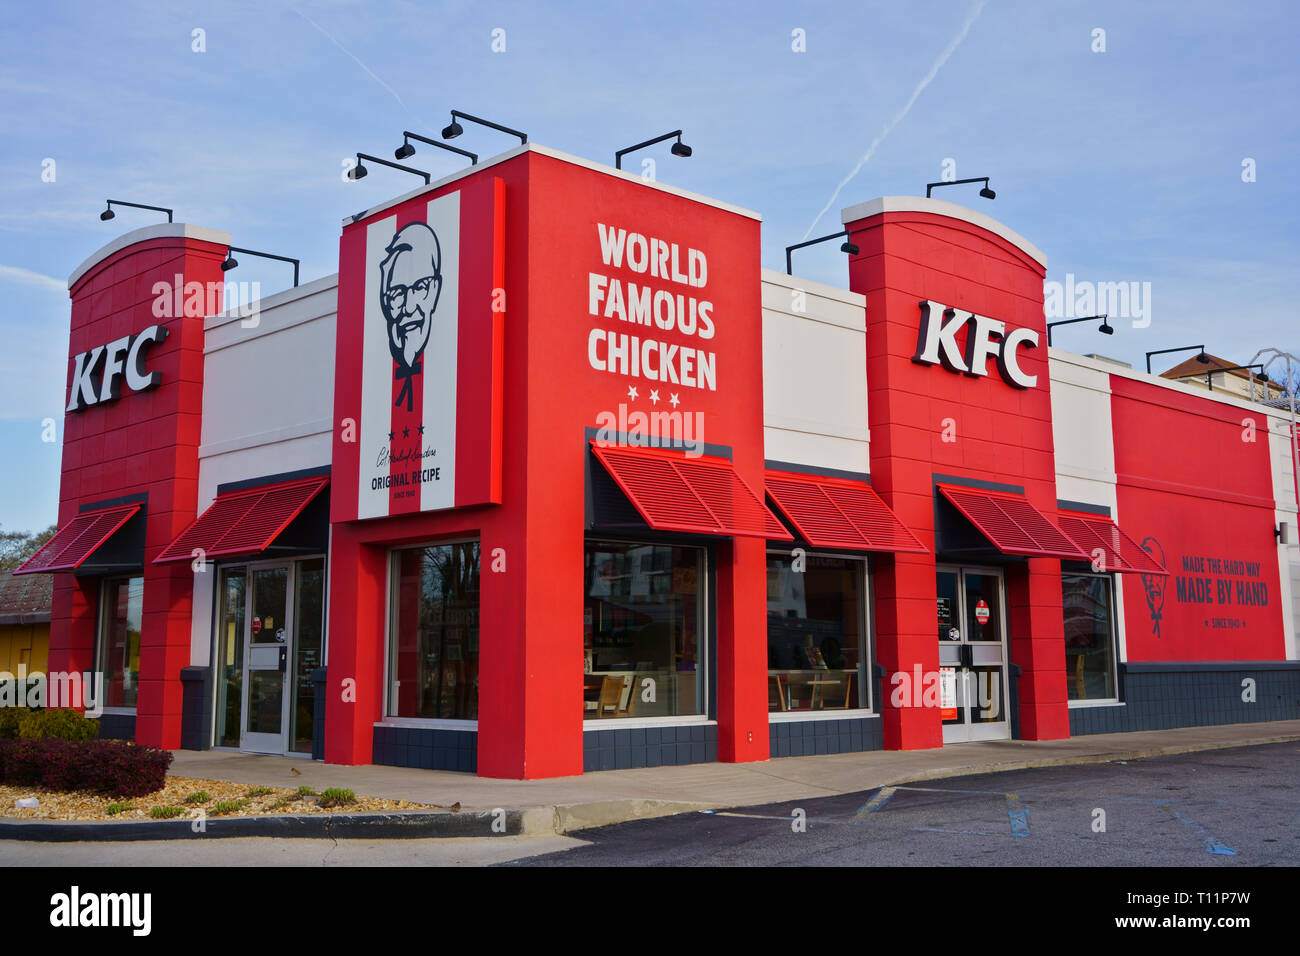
(418, 368)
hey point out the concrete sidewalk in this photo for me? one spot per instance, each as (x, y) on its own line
(563, 804)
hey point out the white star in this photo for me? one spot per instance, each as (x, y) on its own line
(675, 400)
(654, 396)
(631, 392)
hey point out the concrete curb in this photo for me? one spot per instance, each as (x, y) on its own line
(356, 826)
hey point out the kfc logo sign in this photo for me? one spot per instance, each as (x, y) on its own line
(410, 283)
(94, 381)
(985, 338)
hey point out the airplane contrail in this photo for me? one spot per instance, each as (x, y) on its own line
(901, 114)
(369, 71)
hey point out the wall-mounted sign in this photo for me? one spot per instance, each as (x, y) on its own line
(417, 384)
(985, 338)
(95, 381)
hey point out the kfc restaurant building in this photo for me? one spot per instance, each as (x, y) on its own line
(553, 477)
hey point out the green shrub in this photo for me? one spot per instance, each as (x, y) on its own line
(57, 724)
(258, 791)
(198, 796)
(116, 768)
(9, 722)
(306, 791)
(116, 808)
(165, 813)
(229, 806)
(335, 797)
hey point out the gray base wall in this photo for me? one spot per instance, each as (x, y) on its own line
(117, 727)
(670, 746)
(846, 735)
(1158, 696)
(196, 708)
(426, 749)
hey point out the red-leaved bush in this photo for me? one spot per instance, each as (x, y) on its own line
(114, 767)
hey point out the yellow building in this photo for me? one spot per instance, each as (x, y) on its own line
(25, 602)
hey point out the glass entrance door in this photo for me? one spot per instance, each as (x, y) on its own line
(270, 623)
(972, 654)
(266, 660)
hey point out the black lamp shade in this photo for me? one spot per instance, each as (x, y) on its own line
(1203, 358)
(452, 131)
(357, 172)
(681, 149)
(107, 214)
(229, 263)
(988, 193)
(404, 151)
(1106, 329)
(850, 248)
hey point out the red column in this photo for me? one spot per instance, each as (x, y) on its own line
(1036, 632)
(742, 651)
(354, 676)
(905, 600)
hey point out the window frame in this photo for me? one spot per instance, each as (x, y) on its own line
(1115, 698)
(867, 651)
(386, 718)
(704, 634)
(101, 635)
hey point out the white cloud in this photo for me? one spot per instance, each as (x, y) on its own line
(28, 277)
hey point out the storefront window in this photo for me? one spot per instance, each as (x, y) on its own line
(434, 649)
(1089, 636)
(815, 645)
(119, 640)
(642, 613)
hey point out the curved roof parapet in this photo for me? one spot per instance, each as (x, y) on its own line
(162, 230)
(939, 207)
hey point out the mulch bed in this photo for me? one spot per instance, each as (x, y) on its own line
(77, 805)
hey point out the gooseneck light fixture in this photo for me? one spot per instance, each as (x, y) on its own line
(847, 246)
(679, 148)
(231, 262)
(1105, 327)
(359, 171)
(108, 213)
(1261, 377)
(406, 150)
(1202, 357)
(985, 192)
(454, 129)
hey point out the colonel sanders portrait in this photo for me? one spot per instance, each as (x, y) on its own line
(410, 281)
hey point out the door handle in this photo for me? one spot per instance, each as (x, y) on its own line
(284, 659)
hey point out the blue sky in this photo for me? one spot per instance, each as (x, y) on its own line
(1121, 166)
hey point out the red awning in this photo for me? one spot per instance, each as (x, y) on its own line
(1120, 553)
(77, 540)
(698, 495)
(244, 522)
(836, 513)
(1012, 524)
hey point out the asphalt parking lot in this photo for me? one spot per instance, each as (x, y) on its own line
(1222, 808)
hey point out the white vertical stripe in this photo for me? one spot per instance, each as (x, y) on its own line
(376, 377)
(439, 413)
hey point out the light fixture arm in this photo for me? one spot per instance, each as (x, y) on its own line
(955, 182)
(1086, 318)
(387, 162)
(268, 255)
(136, 205)
(1183, 348)
(789, 269)
(619, 154)
(457, 114)
(407, 136)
